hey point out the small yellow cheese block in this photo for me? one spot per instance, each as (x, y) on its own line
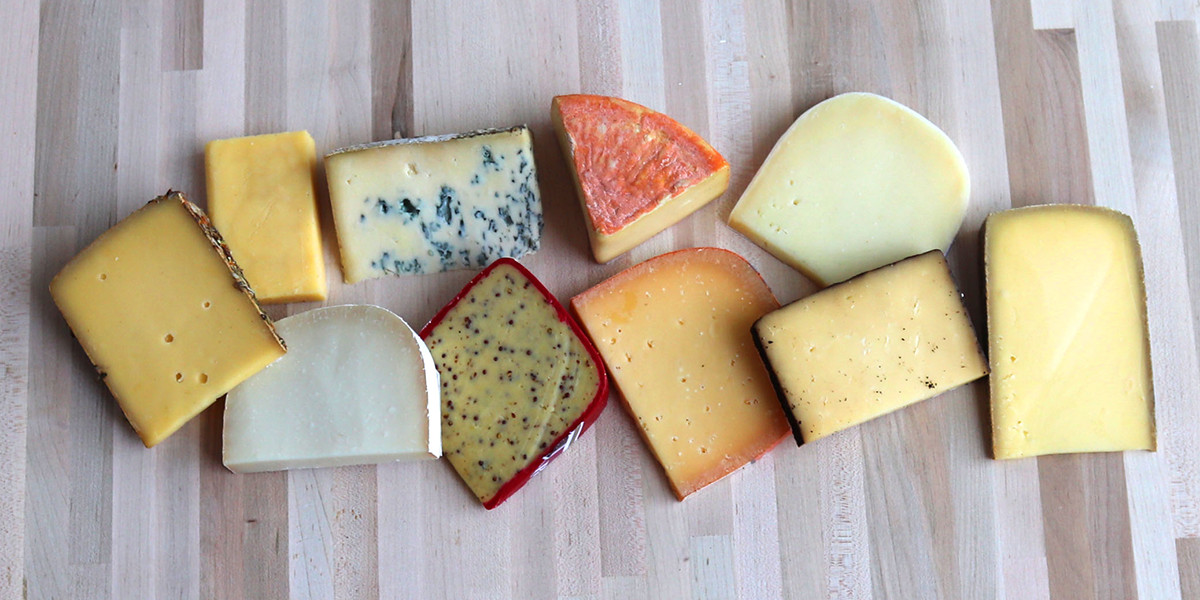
(261, 198)
(859, 181)
(164, 314)
(1067, 332)
(869, 346)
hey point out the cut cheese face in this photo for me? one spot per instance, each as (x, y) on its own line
(520, 382)
(261, 198)
(858, 182)
(869, 346)
(637, 171)
(1067, 332)
(675, 333)
(357, 386)
(433, 204)
(165, 316)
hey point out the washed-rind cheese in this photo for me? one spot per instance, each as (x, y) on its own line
(165, 315)
(357, 386)
(636, 171)
(869, 346)
(857, 182)
(261, 199)
(520, 381)
(675, 334)
(1067, 334)
(433, 204)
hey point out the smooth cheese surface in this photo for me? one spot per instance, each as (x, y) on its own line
(433, 204)
(261, 199)
(515, 378)
(357, 386)
(858, 182)
(675, 334)
(167, 323)
(636, 171)
(1067, 332)
(872, 345)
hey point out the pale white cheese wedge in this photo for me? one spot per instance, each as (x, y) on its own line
(859, 181)
(357, 386)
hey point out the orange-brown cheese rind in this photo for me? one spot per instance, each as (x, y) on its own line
(519, 380)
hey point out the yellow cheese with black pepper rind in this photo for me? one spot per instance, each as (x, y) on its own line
(164, 314)
(866, 347)
(519, 380)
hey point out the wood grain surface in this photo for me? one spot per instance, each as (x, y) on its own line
(105, 104)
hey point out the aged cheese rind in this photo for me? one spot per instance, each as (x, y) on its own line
(357, 386)
(866, 347)
(859, 181)
(675, 334)
(261, 197)
(519, 380)
(163, 312)
(1067, 331)
(432, 204)
(636, 171)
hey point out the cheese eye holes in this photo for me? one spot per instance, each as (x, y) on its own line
(168, 338)
(207, 304)
(203, 378)
(179, 377)
(103, 276)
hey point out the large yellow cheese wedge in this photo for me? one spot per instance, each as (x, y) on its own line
(858, 182)
(675, 334)
(164, 314)
(1067, 332)
(869, 346)
(261, 198)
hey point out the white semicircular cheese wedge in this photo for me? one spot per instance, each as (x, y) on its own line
(859, 181)
(357, 386)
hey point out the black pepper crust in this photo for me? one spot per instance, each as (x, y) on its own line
(218, 244)
(779, 394)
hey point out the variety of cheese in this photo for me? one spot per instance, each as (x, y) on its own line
(856, 183)
(261, 199)
(356, 386)
(520, 382)
(434, 204)
(675, 333)
(869, 346)
(1067, 332)
(164, 314)
(637, 171)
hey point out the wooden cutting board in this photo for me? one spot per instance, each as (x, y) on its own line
(106, 104)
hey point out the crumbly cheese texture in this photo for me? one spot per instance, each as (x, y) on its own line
(675, 334)
(261, 199)
(433, 204)
(514, 379)
(1067, 332)
(858, 182)
(636, 171)
(869, 346)
(357, 386)
(164, 315)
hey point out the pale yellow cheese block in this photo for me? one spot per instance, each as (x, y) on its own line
(262, 200)
(858, 182)
(1067, 332)
(164, 315)
(874, 344)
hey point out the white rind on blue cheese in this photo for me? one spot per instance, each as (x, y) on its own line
(433, 204)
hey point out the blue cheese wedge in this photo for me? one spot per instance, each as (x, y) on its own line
(433, 204)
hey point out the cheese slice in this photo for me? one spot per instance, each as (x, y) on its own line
(675, 333)
(520, 382)
(1067, 332)
(357, 386)
(857, 182)
(261, 198)
(636, 171)
(869, 346)
(433, 204)
(164, 314)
